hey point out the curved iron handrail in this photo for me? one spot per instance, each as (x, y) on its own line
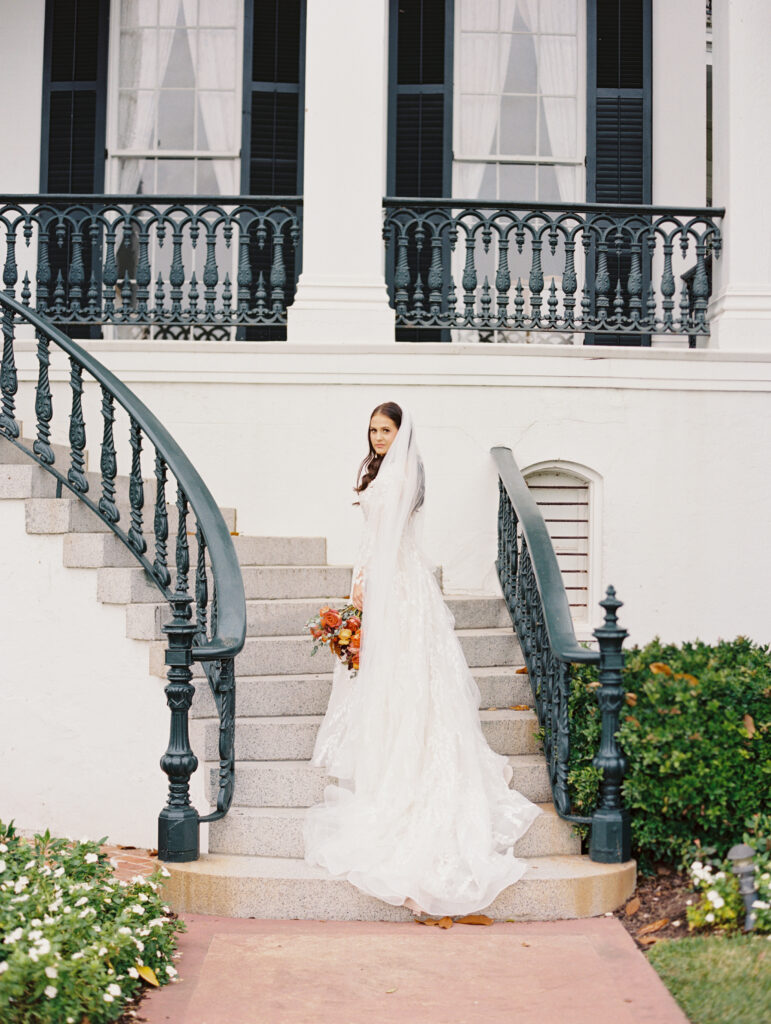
(212, 633)
(537, 601)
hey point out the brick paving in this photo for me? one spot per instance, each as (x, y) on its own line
(132, 860)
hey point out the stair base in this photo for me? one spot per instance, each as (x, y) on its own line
(553, 888)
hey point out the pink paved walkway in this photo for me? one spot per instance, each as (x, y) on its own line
(341, 972)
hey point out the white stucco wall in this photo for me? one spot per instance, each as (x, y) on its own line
(83, 723)
(679, 441)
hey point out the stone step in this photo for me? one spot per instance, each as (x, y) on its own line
(309, 694)
(552, 888)
(26, 480)
(123, 586)
(289, 617)
(291, 655)
(300, 784)
(291, 737)
(281, 550)
(11, 455)
(277, 832)
(70, 515)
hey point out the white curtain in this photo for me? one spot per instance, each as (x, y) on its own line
(215, 67)
(557, 83)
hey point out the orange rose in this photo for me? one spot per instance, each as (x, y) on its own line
(331, 619)
(353, 623)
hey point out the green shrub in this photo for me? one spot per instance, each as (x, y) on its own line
(77, 942)
(697, 733)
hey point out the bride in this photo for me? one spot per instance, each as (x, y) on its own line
(423, 815)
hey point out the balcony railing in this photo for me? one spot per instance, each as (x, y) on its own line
(170, 263)
(502, 269)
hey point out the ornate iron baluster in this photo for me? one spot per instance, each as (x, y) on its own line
(435, 275)
(201, 587)
(502, 281)
(136, 490)
(109, 462)
(535, 282)
(176, 274)
(143, 274)
(43, 403)
(109, 273)
(9, 381)
(700, 290)
(611, 833)
(43, 272)
(161, 526)
(10, 270)
(183, 547)
(76, 473)
(76, 273)
(402, 274)
(667, 287)
(469, 281)
(210, 275)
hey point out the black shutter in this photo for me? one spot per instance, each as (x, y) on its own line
(272, 132)
(72, 151)
(420, 120)
(619, 121)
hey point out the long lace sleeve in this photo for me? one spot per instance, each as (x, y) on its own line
(374, 502)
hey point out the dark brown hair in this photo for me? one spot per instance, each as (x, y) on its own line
(370, 466)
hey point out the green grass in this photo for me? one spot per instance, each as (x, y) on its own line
(716, 979)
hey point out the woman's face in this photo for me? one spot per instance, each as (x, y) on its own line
(382, 432)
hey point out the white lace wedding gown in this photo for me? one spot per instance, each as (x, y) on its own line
(423, 809)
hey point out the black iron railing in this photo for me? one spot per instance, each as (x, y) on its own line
(517, 267)
(537, 601)
(209, 618)
(176, 263)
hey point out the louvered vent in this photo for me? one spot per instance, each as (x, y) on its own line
(564, 502)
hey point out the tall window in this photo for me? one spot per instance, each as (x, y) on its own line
(176, 121)
(519, 79)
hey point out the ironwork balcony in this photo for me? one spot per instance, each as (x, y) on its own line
(171, 264)
(502, 269)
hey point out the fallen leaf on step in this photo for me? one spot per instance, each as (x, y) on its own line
(152, 853)
(749, 724)
(390, 990)
(519, 707)
(521, 671)
(525, 943)
(632, 907)
(492, 709)
(147, 974)
(440, 922)
(655, 926)
(475, 919)
(648, 940)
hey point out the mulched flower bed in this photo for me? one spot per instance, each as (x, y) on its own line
(657, 909)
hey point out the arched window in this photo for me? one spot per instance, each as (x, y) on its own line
(567, 496)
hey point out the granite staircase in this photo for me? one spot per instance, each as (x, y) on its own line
(254, 866)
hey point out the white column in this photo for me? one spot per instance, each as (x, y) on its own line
(741, 304)
(341, 293)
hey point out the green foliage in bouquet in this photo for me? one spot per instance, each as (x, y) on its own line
(77, 942)
(697, 732)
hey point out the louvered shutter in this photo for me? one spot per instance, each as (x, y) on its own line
(273, 126)
(563, 499)
(619, 129)
(420, 97)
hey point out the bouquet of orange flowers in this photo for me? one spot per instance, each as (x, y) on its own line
(340, 631)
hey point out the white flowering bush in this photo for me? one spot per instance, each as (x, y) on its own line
(77, 943)
(720, 904)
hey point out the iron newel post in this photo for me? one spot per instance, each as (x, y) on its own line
(610, 841)
(178, 821)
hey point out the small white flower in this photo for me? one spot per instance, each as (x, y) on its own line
(3, 848)
(33, 955)
(12, 937)
(44, 947)
(697, 865)
(81, 901)
(171, 971)
(3, 966)
(113, 863)
(144, 932)
(36, 922)
(709, 917)
(78, 956)
(51, 972)
(102, 951)
(108, 998)
(35, 934)
(720, 875)
(133, 972)
(760, 905)
(157, 922)
(2, 866)
(766, 876)
(124, 930)
(45, 871)
(165, 873)
(21, 899)
(21, 883)
(113, 989)
(29, 864)
(91, 858)
(66, 910)
(136, 909)
(715, 899)
(48, 920)
(59, 872)
(140, 945)
(143, 897)
(50, 991)
(86, 912)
